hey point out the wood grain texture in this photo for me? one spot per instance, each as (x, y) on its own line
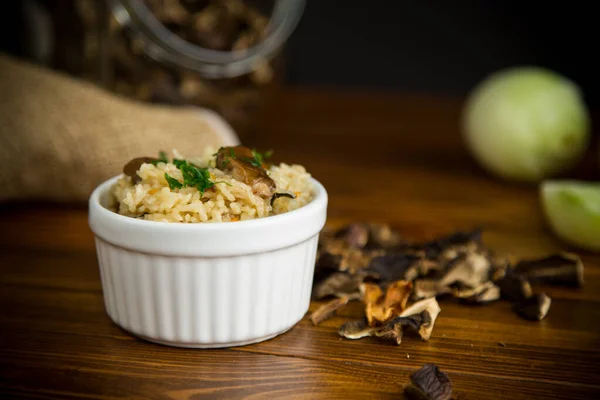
(382, 158)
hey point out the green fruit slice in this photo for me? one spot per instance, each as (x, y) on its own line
(572, 209)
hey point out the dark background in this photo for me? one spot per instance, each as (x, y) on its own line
(442, 47)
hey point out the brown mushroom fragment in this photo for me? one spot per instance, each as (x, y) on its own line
(240, 162)
(484, 294)
(336, 284)
(381, 236)
(380, 307)
(375, 310)
(354, 235)
(470, 270)
(326, 264)
(427, 288)
(393, 267)
(500, 264)
(465, 272)
(420, 317)
(360, 329)
(424, 312)
(560, 269)
(132, 167)
(431, 268)
(327, 310)
(429, 383)
(458, 240)
(393, 330)
(534, 308)
(389, 331)
(514, 287)
(355, 329)
(354, 260)
(282, 194)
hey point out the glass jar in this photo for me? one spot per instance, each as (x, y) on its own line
(225, 55)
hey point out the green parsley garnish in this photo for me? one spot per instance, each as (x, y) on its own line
(193, 176)
(232, 153)
(258, 158)
(173, 183)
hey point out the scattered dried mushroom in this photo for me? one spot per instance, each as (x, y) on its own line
(429, 383)
(420, 317)
(399, 282)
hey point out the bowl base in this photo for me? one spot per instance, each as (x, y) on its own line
(208, 345)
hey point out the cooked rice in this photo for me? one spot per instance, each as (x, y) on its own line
(231, 200)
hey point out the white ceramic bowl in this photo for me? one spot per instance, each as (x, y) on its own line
(207, 285)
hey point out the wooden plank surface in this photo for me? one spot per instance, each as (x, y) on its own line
(382, 158)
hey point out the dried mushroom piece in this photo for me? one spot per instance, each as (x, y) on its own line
(380, 307)
(427, 288)
(429, 383)
(354, 235)
(355, 329)
(355, 260)
(561, 269)
(534, 308)
(420, 317)
(484, 294)
(328, 309)
(360, 328)
(465, 272)
(245, 166)
(514, 287)
(337, 284)
(381, 236)
(432, 268)
(390, 332)
(392, 267)
(456, 242)
(327, 262)
(470, 270)
(428, 310)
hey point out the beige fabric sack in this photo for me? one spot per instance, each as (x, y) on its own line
(60, 137)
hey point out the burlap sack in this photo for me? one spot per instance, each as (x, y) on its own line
(60, 137)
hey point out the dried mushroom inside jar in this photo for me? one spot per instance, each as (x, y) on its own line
(215, 25)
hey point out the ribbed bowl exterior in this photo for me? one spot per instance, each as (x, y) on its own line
(207, 302)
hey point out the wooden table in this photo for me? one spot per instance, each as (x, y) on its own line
(383, 158)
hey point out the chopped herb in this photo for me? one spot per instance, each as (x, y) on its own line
(232, 153)
(179, 163)
(173, 183)
(251, 161)
(194, 176)
(257, 159)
